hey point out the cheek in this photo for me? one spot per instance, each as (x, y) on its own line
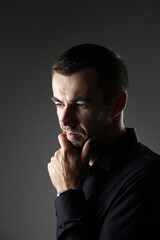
(58, 115)
(93, 121)
(85, 120)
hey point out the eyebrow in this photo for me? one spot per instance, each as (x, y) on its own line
(54, 99)
(77, 99)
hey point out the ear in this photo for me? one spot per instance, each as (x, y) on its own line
(118, 104)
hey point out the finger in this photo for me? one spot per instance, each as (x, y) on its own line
(87, 148)
(52, 158)
(64, 141)
(49, 167)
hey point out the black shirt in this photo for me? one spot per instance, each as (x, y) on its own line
(120, 199)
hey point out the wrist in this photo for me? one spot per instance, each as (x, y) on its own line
(68, 190)
(76, 186)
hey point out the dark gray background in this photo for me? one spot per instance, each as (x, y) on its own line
(32, 36)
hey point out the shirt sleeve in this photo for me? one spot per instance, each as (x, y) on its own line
(71, 215)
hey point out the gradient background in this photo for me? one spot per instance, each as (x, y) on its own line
(32, 36)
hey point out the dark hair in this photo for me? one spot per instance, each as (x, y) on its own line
(113, 75)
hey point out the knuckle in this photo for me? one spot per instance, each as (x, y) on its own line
(60, 136)
(52, 158)
(49, 166)
(56, 154)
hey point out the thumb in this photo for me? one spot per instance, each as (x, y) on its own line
(87, 149)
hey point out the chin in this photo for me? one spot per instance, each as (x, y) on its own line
(78, 144)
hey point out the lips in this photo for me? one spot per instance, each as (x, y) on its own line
(72, 136)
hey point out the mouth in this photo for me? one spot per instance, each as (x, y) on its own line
(72, 136)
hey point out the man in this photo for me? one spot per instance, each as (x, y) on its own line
(107, 182)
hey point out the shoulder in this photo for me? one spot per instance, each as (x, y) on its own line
(142, 166)
(143, 156)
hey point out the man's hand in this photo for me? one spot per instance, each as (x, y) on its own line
(67, 168)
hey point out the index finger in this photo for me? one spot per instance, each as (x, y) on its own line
(63, 141)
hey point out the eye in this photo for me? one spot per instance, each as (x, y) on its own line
(59, 105)
(82, 105)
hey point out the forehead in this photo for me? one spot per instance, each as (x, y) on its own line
(82, 83)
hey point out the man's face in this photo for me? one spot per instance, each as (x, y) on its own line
(81, 110)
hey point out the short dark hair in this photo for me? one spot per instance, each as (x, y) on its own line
(113, 75)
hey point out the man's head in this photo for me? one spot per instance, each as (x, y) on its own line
(112, 72)
(89, 89)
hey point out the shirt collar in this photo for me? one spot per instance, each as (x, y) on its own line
(116, 151)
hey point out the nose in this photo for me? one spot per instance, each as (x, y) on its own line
(67, 116)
